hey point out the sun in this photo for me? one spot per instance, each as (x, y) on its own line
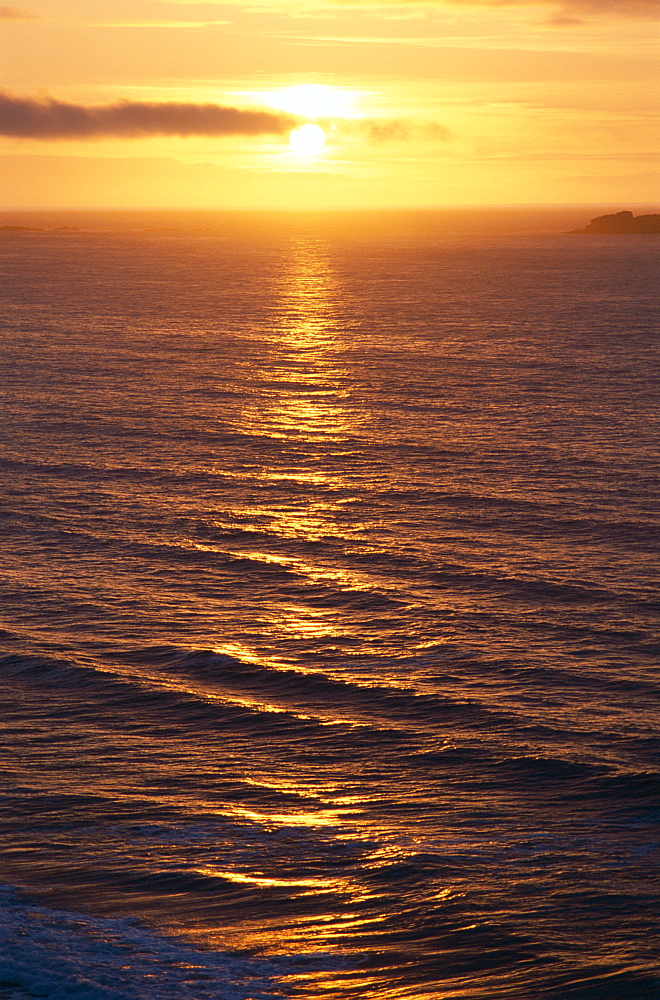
(307, 140)
(317, 107)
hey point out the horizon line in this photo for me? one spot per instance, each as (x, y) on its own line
(332, 208)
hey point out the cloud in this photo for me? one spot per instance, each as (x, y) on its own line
(161, 24)
(379, 130)
(16, 14)
(25, 118)
(569, 12)
(575, 11)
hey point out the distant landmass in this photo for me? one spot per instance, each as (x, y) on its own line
(622, 222)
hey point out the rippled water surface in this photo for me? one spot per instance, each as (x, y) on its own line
(329, 608)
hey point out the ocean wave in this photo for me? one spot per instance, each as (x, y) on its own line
(53, 954)
(224, 678)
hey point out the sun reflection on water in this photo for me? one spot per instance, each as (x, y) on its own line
(304, 401)
(305, 390)
(301, 418)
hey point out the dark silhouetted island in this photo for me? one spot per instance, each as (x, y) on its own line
(622, 223)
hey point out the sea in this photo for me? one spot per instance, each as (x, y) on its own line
(329, 607)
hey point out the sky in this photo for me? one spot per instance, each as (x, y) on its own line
(302, 103)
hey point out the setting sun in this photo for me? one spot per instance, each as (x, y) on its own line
(307, 140)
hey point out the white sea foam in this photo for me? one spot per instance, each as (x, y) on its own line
(59, 955)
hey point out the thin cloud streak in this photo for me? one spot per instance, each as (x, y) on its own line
(161, 24)
(383, 130)
(569, 11)
(577, 8)
(25, 118)
(16, 14)
(574, 11)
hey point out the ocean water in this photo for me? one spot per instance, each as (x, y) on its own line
(329, 609)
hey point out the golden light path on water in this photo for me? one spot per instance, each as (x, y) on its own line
(305, 404)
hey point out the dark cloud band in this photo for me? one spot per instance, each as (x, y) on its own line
(24, 118)
(15, 14)
(587, 8)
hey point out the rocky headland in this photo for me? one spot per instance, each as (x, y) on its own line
(622, 223)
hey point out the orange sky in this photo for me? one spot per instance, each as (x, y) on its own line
(422, 103)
